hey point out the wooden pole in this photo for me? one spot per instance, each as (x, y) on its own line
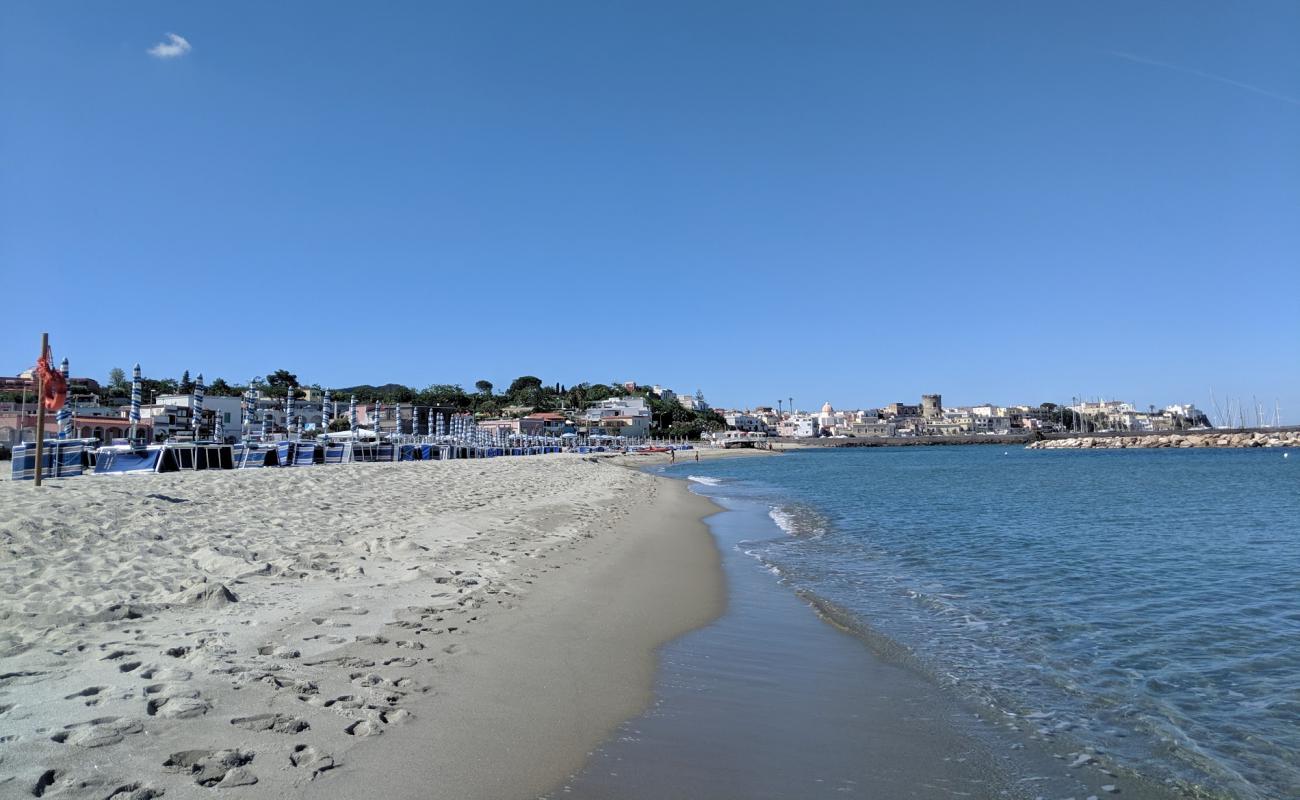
(40, 410)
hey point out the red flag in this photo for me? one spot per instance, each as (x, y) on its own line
(54, 390)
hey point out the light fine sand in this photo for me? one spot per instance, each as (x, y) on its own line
(446, 629)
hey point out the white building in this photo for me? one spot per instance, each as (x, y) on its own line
(619, 416)
(799, 426)
(740, 421)
(692, 402)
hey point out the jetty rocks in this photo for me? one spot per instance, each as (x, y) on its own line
(1278, 438)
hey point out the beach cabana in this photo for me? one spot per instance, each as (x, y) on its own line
(120, 459)
(305, 454)
(251, 455)
(61, 458)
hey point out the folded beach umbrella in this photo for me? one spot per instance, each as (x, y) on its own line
(376, 413)
(326, 412)
(135, 399)
(219, 430)
(250, 410)
(397, 419)
(352, 413)
(288, 412)
(198, 404)
(266, 424)
(428, 424)
(64, 416)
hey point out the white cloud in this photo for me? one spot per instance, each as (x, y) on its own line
(175, 47)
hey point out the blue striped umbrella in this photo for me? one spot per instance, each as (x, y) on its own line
(135, 399)
(288, 412)
(429, 424)
(352, 413)
(378, 411)
(326, 412)
(64, 416)
(219, 430)
(397, 419)
(198, 404)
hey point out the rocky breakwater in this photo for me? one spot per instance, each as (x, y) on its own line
(1280, 438)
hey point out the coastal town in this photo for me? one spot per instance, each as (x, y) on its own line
(528, 407)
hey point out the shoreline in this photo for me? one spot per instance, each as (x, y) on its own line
(847, 695)
(458, 629)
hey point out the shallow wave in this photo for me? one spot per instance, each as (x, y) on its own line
(704, 479)
(797, 520)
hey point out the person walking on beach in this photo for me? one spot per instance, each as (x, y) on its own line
(672, 456)
(697, 455)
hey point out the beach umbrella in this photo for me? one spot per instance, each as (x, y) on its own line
(198, 404)
(326, 412)
(378, 411)
(219, 430)
(288, 412)
(266, 424)
(397, 419)
(352, 413)
(250, 411)
(64, 416)
(429, 424)
(135, 399)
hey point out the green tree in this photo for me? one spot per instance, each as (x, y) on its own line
(117, 384)
(219, 388)
(186, 385)
(282, 377)
(522, 386)
(484, 388)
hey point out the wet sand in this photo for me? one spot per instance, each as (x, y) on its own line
(771, 701)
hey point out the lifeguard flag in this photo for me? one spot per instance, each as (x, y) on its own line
(54, 391)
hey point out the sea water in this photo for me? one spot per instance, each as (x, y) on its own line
(1142, 603)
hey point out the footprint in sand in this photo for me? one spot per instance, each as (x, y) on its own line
(175, 702)
(154, 672)
(134, 791)
(98, 732)
(304, 756)
(364, 727)
(278, 651)
(276, 723)
(346, 701)
(213, 768)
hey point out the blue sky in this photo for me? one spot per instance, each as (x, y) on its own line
(853, 201)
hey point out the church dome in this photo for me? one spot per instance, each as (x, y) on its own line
(826, 409)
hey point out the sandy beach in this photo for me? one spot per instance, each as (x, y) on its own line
(443, 629)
